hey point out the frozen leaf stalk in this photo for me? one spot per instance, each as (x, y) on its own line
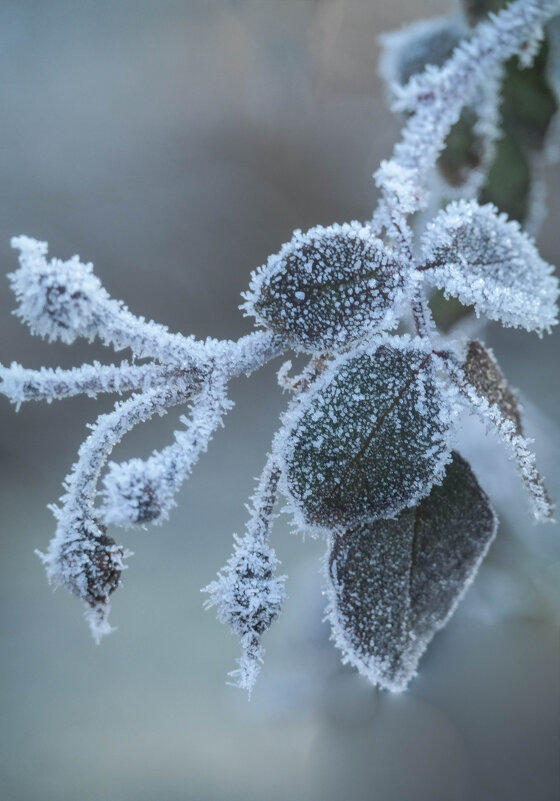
(365, 456)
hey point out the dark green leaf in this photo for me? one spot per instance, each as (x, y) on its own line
(465, 150)
(394, 583)
(328, 288)
(475, 10)
(369, 441)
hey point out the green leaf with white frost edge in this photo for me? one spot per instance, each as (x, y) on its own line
(475, 254)
(328, 288)
(393, 584)
(370, 439)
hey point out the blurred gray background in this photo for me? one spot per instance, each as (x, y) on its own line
(176, 144)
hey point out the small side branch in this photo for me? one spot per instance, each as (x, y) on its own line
(20, 384)
(437, 96)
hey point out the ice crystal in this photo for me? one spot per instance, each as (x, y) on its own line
(364, 452)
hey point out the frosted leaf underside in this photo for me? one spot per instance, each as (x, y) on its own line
(483, 373)
(328, 288)
(394, 583)
(370, 441)
(477, 255)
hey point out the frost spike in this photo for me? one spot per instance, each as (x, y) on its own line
(247, 594)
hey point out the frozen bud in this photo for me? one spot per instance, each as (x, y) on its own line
(328, 288)
(371, 439)
(249, 596)
(138, 492)
(57, 299)
(91, 567)
(89, 564)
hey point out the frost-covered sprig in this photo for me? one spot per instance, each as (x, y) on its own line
(65, 300)
(470, 144)
(365, 452)
(248, 595)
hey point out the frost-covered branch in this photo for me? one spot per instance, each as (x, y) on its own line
(80, 557)
(365, 452)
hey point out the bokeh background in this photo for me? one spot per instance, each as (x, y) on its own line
(176, 144)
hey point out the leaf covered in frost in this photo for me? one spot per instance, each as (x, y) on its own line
(328, 288)
(371, 439)
(478, 256)
(394, 583)
(483, 373)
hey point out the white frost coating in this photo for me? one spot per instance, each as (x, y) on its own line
(64, 300)
(143, 491)
(333, 303)
(248, 595)
(474, 253)
(407, 52)
(404, 583)
(80, 557)
(57, 299)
